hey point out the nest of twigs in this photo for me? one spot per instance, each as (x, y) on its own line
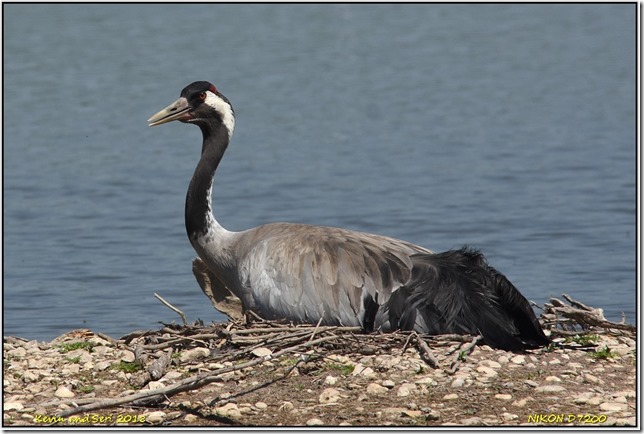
(244, 343)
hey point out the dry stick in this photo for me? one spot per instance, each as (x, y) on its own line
(259, 330)
(426, 352)
(190, 383)
(110, 339)
(158, 367)
(467, 349)
(291, 338)
(299, 327)
(578, 304)
(409, 336)
(586, 318)
(176, 341)
(183, 317)
(451, 337)
(257, 387)
(317, 326)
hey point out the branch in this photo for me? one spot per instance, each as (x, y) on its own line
(183, 317)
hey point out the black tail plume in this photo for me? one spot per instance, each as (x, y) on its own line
(458, 292)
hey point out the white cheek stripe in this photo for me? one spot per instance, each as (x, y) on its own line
(224, 109)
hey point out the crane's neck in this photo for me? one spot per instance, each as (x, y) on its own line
(201, 225)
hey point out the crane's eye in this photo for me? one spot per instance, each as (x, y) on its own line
(202, 95)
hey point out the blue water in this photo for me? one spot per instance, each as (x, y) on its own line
(510, 128)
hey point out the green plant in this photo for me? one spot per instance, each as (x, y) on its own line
(551, 347)
(604, 353)
(127, 367)
(67, 347)
(582, 339)
(86, 388)
(73, 359)
(342, 369)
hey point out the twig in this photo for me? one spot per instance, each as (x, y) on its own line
(584, 316)
(259, 386)
(158, 367)
(110, 339)
(426, 352)
(578, 304)
(183, 317)
(467, 349)
(409, 336)
(317, 326)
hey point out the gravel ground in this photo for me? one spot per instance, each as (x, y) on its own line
(322, 386)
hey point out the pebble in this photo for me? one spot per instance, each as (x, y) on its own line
(314, 422)
(518, 360)
(37, 363)
(7, 406)
(589, 378)
(412, 413)
(406, 389)
(531, 383)
(583, 398)
(172, 375)
(262, 352)
(17, 352)
(153, 385)
(64, 392)
(329, 395)
(330, 380)
(194, 354)
(124, 355)
(101, 366)
(458, 382)
(553, 379)
(31, 376)
(287, 406)
(155, 417)
(190, 418)
(521, 402)
(595, 400)
(450, 397)
(503, 396)
(376, 389)
(490, 364)
(611, 407)
(488, 372)
(428, 381)
(229, 410)
(509, 416)
(550, 388)
(472, 421)
(363, 371)
(389, 384)
(261, 405)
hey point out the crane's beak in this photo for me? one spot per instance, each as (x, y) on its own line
(178, 110)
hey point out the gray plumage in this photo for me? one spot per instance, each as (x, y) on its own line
(309, 273)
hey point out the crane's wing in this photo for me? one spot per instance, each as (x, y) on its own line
(304, 273)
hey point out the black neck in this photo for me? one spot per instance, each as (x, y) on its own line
(198, 199)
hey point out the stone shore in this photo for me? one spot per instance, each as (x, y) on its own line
(545, 387)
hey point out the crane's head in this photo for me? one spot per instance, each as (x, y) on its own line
(200, 103)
